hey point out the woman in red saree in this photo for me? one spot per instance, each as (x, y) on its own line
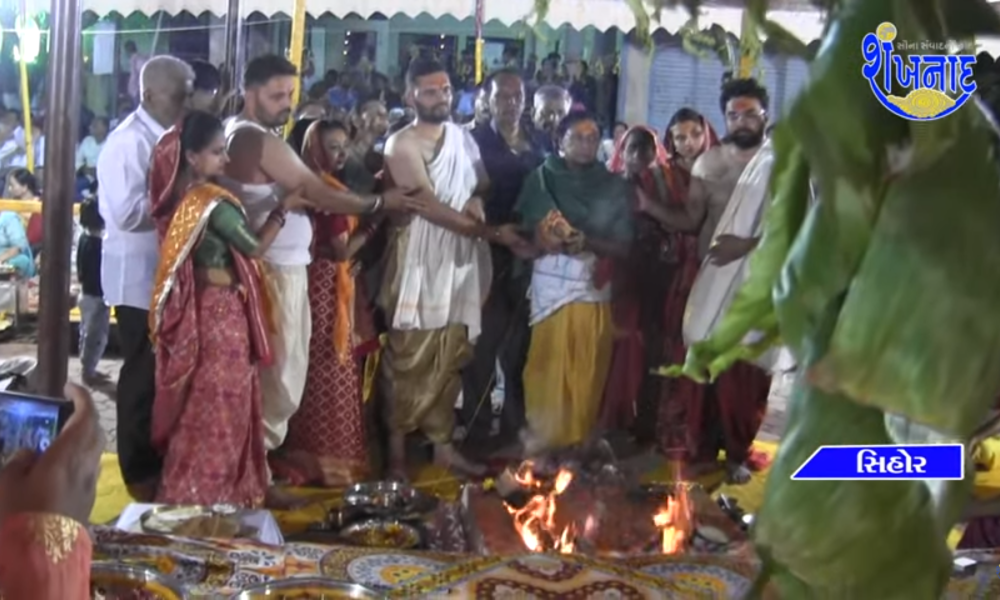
(690, 424)
(327, 441)
(207, 323)
(640, 283)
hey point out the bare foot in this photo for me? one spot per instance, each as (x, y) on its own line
(737, 473)
(279, 499)
(446, 456)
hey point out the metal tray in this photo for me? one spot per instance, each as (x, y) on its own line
(166, 588)
(153, 521)
(389, 498)
(321, 588)
(414, 537)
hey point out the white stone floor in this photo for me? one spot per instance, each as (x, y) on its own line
(774, 422)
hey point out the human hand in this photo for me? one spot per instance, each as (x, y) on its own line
(475, 210)
(575, 242)
(727, 248)
(63, 479)
(294, 201)
(643, 200)
(508, 236)
(403, 200)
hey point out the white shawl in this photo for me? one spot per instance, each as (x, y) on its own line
(445, 276)
(715, 286)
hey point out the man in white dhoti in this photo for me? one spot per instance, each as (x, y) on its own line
(438, 270)
(733, 408)
(263, 168)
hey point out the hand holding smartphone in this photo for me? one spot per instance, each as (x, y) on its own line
(30, 422)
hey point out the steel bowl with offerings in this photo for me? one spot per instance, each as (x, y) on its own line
(389, 499)
(117, 581)
(306, 588)
(382, 533)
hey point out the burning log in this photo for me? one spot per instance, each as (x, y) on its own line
(547, 506)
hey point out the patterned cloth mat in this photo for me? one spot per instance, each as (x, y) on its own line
(214, 568)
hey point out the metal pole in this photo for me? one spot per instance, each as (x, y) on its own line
(295, 51)
(479, 42)
(63, 104)
(233, 50)
(29, 143)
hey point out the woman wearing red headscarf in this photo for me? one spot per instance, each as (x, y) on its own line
(327, 442)
(640, 282)
(207, 322)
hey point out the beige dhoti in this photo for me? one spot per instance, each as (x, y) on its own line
(434, 286)
(420, 373)
(283, 383)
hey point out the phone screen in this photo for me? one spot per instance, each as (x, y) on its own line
(26, 422)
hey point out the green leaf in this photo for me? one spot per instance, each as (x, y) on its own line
(919, 333)
(847, 539)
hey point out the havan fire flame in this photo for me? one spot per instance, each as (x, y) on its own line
(536, 521)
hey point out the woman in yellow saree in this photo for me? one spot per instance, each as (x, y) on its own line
(207, 323)
(581, 217)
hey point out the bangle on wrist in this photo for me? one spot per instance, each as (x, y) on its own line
(377, 205)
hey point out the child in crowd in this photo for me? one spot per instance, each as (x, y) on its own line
(94, 313)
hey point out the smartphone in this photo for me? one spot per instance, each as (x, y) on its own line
(30, 422)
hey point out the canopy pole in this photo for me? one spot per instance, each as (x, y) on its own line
(296, 49)
(29, 144)
(479, 41)
(63, 104)
(233, 51)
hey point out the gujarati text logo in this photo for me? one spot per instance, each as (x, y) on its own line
(939, 84)
(883, 462)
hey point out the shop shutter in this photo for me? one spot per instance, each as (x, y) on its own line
(671, 85)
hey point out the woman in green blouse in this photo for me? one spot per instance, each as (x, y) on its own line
(208, 323)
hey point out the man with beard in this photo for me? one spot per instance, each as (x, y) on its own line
(263, 169)
(438, 270)
(732, 409)
(509, 154)
(551, 105)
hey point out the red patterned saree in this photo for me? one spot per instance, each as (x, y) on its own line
(327, 441)
(209, 342)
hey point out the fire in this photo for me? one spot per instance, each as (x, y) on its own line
(674, 520)
(536, 521)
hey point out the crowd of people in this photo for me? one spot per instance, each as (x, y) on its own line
(253, 277)
(289, 310)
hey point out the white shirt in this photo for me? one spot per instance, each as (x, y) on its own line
(87, 153)
(131, 249)
(12, 152)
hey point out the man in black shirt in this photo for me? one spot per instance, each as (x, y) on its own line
(509, 152)
(94, 313)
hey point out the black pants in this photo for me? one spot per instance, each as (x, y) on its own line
(136, 389)
(505, 337)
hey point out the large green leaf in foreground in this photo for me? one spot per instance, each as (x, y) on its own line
(858, 540)
(919, 332)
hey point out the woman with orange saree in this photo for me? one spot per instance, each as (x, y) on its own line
(207, 322)
(640, 282)
(327, 441)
